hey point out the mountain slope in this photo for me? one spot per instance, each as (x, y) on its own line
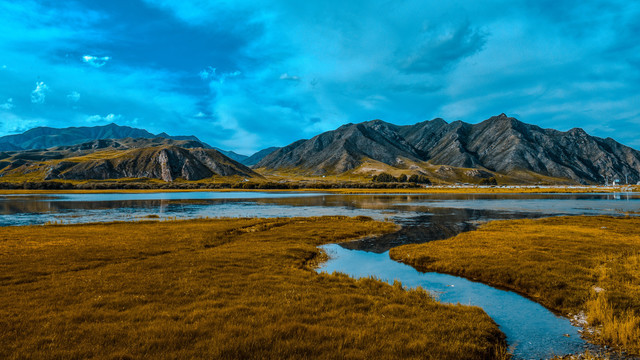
(162, 162)
(232, 155)
(46, 137)
(343, 149)
(500, 144)
(256, 157)
(122, 158)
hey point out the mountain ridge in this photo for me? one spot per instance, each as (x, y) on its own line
(44, 137)
(500, 144)
(104, 159)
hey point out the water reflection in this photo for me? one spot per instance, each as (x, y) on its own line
(429, 216)
(433, 224)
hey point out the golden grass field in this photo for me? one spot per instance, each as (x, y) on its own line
(218, 289)
(569, 264)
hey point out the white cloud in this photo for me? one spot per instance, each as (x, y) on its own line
(210, 74)
(73, 96)
(96, 61)
(39, 94)
(224, 76)
(8, 105)
(207, 73)
(100, 119)
(11, 123)
(286, 76)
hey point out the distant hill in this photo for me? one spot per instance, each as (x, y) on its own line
(47, 137)
(233, 155)
(255, 158)
(498, 145)
(103, 159)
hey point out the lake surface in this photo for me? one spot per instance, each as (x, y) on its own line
(534, 331)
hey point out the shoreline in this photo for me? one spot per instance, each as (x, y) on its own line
(507, 189)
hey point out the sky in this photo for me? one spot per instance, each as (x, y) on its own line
(244, 75)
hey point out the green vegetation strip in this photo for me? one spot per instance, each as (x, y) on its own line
(569, 264)
(218, 289)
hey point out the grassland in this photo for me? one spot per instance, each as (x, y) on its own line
(588, 265)
(223, 289)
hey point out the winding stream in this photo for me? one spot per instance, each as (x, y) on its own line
(531, 330)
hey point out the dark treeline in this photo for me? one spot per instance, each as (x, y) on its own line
(388, 178)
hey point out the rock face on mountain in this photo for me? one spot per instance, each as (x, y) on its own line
(500, 144)
(163, 162)
(124, 158)
(46, 137)
(343, 149)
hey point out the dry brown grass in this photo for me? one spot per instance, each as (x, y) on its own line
(569, 264)
(229, 289)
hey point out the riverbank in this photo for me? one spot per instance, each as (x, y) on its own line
(347, 191)
(229, 288)
(573, 265)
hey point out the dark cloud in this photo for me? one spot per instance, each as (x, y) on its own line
(288, 69)
(444, 48)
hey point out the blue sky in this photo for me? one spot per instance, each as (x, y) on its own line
(244, 75)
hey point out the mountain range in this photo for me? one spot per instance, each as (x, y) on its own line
(47, 137)
(500, 147)
(103, 159)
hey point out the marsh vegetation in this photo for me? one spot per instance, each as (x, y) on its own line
(228, 288)
(574, 265)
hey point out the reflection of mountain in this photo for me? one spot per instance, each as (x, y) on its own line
(42, 205)
(410, 233)
(442, 223)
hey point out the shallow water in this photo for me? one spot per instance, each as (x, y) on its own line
(533, 330)
(435, 209)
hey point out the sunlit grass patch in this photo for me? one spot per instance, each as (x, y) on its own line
(570, 264)
(226, 288)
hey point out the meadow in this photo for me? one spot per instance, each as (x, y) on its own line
(224, 289)
(573, 265)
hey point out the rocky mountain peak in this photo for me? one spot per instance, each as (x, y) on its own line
(500, 144)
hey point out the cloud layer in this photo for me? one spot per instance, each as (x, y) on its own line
(243, 75)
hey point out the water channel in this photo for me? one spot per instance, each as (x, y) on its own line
(532, 330)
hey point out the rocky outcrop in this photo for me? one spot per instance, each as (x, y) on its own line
(343, 149)
(499, 144)
(163, 162)
(124, 158)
